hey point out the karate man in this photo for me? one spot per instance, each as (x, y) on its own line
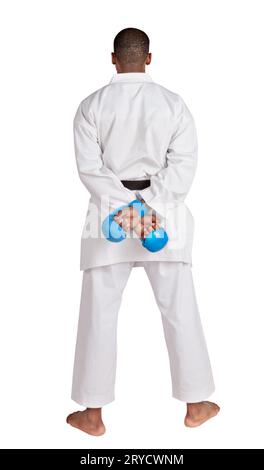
(135, 139)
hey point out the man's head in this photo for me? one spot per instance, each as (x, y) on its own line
(131, 50)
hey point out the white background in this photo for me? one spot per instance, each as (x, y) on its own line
(54, 54)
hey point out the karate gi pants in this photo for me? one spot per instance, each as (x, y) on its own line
(96, 347)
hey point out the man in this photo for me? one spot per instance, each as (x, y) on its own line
(135, 139)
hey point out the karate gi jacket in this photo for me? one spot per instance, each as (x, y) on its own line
(134, 128)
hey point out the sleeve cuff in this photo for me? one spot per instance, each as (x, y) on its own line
(147, 194)
(156, 203)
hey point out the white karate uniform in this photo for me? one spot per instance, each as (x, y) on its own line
(133, 129)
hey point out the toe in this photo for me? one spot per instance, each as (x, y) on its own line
(71, 416)
(212, 405)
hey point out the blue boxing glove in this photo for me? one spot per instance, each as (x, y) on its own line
(154, 241)
(157, 238)
(111, 229)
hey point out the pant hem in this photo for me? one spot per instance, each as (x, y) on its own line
(93, 402)
(194, 397)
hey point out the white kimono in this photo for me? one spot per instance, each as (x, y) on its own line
(131, 129)
(134, 128)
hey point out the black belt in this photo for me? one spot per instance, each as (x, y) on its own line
(136, 184)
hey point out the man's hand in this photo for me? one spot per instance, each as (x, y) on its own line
(127, 218)
(146, 224)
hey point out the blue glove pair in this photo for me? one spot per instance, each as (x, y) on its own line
(154, 241)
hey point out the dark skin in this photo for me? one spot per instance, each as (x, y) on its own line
(127, 68)
(90, 420)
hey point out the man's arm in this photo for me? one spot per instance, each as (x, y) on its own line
(97, 178)
(173, 182)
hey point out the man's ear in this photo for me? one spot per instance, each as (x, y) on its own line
(113, 58)
(148, 59)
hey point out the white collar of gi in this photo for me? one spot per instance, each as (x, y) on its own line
(131, 77)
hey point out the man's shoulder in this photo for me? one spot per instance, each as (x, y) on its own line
(173, 95)
(93, 96)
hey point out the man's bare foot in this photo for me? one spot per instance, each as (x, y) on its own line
(198, 413)
(89, 421)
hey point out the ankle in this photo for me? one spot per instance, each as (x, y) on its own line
(193, 408)
(94, 414)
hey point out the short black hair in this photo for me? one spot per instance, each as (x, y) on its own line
(131, 46)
